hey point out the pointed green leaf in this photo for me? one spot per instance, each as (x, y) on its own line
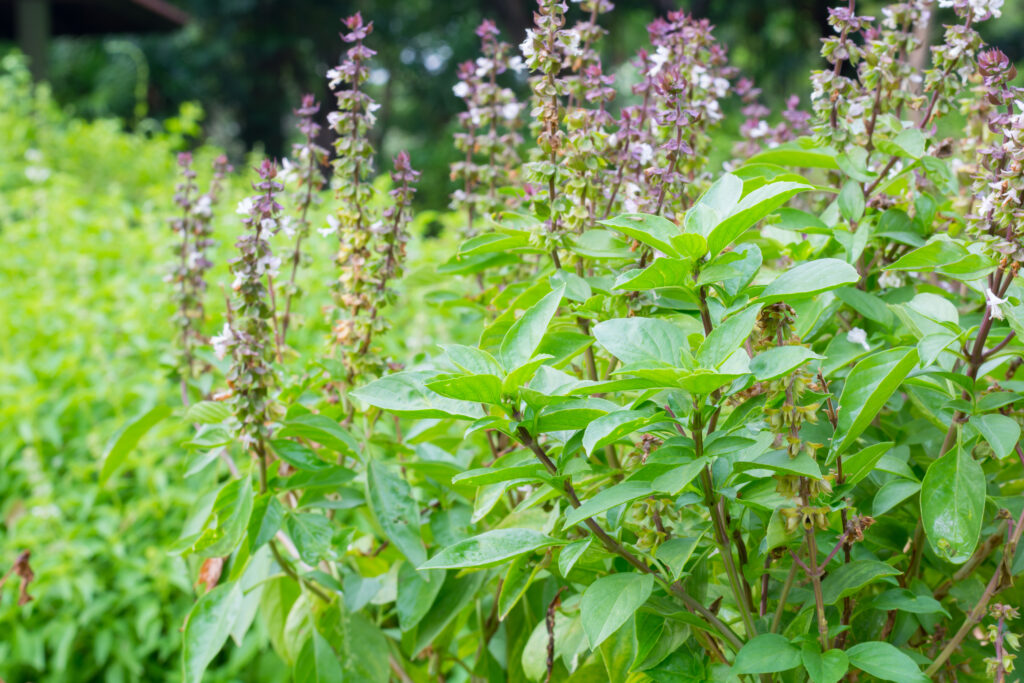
(807, 279)
(953, 505)
(610, 601)
(207, 629)
(396, 510)
(868, 386)
(525, 335)
(619, 494)
(634, 340)
(490, 548)
(128, 438)
(654, 231)
(765, 654)
(886, 662)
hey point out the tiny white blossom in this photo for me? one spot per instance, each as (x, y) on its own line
(858, 336)
(526, 47)
(658, 60)
(483, 66)
(644, 153)
(33, 155)
(37, 174)
(461, 89)
(509, 111)
(223, 341)
(333, 225)
(203, 207)
(516, 64)
(993, 303)
(334, 78)
(572, 43)
(371, 117)
(246, 206)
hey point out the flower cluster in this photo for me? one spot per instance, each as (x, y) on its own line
(999, 180)
(547, 47)
(371, 245)
(353, 166)
(756, 133)
(306, 176)
(688, 75)
(490, 127)
(194, 229)
(390, 246)
(249, 334)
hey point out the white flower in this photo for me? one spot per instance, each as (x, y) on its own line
(287, 225)
(223, 341)
(289, 171)
(483, 66)
(37, 174)
(268, 264)
(333, 119)
(203, 207)
(33, 155)
(371, 118)
(461, 89)
(858, 336)
(572, 43)
(246, 206)
(644, 153)
(658, 60)
(526, 47)
(509, 111)
(516, 64)
(993, 303)
(334, 78)
(333, 225)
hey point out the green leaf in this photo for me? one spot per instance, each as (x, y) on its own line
(679, 477)
(780, 360)
(571, 553)
(765, 654)
(793, 154)
(477, 388)
(726, 337)
(525, 335)
(362, 650)
(299, 456)
(654, 231)
(937, 253)
(612, 427)
(317, 662)
(634, 340)
(610, 601)
(953, 505)
(417, 591)
(907, 601)
(1001, 431)
(406, 393)
(490, 548)
(750, 210)
(207, 412)
(828, 667)
(779, 461)
(892, 494)
(849, 578)
(127, 438)
(886, 662)
(472, 360)
(396, 510)
(868, 386)
(675, 552)
(664, 272)
(868, 305)
(619, 494)
(208, 627)
(851, 201)
(323, 430)
(229, 519)
(808, 279)
(267, 515)
(311, 533)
